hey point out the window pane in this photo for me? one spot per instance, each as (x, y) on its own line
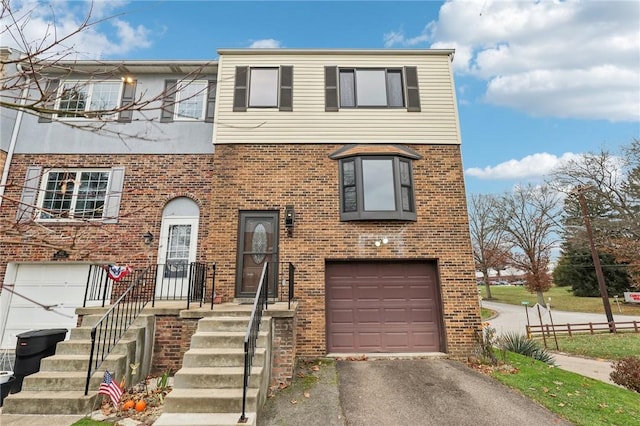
(371, 88)
(377, 176)
(58, 195)
(347, 89)
(105, 96)
(349, 199)
(394, 80)
(191, 100)
(405, 175)
(91, 195)
(406, 199)
(348, 173)
(263, 90)
(72, 98)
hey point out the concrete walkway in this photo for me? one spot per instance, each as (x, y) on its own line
(512, 318)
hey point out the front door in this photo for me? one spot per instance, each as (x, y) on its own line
(257, 244)
(177, 249)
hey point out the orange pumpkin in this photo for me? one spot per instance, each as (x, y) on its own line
(141, 405)
(128, 405)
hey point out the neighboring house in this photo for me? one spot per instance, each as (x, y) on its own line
(345, 164)
(84, 191)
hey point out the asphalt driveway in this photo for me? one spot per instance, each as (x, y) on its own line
(398, 393)
(430, 392)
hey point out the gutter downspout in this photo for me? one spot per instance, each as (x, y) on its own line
(14, 136)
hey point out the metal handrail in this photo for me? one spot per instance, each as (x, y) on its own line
(172, 281)
(251, 337)
(115, 322)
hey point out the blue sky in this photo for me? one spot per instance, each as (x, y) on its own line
(538, 82)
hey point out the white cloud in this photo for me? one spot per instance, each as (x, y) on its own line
(577, 59)
(267, 43)
(50, 23)
(531, 166)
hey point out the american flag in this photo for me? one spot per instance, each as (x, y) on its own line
(111, 388)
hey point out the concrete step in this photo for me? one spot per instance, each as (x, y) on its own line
(209, 401)
(91, 320)
(49, 402)
(84, 333)
(220, 357)
(225, 323)
(78, 347)
(61, 380)
(224, 339)
(214, 377)
(204, 419)
(115, 363)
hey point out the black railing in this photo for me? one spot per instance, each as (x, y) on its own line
(213, 284)
(251, 337)
(116, 321)
(180, 281)
(286, 282)
(99, 285)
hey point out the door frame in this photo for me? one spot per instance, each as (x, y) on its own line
(163, 242)
(240, 252)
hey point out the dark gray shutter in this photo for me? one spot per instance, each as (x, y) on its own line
(413, 94)
(128, 99)
(49, 100)
(286, 88)
(211, 101)
(168, 101)
(29, 196)
(240, 89)
(331, 88)
(114, 195)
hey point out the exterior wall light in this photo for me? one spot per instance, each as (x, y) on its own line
(148, 237)
(60, 254)
(381, 241)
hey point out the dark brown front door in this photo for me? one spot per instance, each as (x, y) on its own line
(257, 245)
(383, 307)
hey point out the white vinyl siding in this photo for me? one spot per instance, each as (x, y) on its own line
(436, 123)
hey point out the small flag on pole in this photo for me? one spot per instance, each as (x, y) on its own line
(111, 388)
(116, 272)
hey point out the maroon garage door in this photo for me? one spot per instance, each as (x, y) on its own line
(382, 307)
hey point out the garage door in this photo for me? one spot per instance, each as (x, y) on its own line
(45, 296)
(382, 307)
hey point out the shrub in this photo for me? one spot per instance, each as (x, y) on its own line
(626, 372)
(485, 340)
(520, 344)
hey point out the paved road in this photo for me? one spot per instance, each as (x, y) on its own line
(431, 392)
(513, 318)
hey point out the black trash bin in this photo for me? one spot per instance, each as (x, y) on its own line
(5, 388)
(31, 347)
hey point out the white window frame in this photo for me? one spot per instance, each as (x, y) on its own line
(202, 94)
(89, 86)
(74, 197)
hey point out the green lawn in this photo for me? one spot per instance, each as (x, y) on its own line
(604, 345)
(486, 313)
(581, 400)
(561, 299)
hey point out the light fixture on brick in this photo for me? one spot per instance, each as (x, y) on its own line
(381, 241)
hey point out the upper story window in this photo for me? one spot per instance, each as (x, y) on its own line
(84, 99)
(71, 194)
(191, 100)
(371, 88)
(263, 87)
(188, 100)
(374, 186)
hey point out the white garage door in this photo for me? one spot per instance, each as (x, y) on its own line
(44, 296)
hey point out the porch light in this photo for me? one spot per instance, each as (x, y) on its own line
(148, 237)
(60, 254)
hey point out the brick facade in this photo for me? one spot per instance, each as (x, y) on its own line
(172, 340)
(150, 182)
(269, 177)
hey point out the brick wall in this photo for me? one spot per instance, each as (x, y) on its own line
(172, 340)
(269, 177)
(284, 350)
(150, 182)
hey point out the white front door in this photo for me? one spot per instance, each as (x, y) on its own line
(177, 250)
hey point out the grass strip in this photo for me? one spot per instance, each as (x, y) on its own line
(581, 400)
(602, 345)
